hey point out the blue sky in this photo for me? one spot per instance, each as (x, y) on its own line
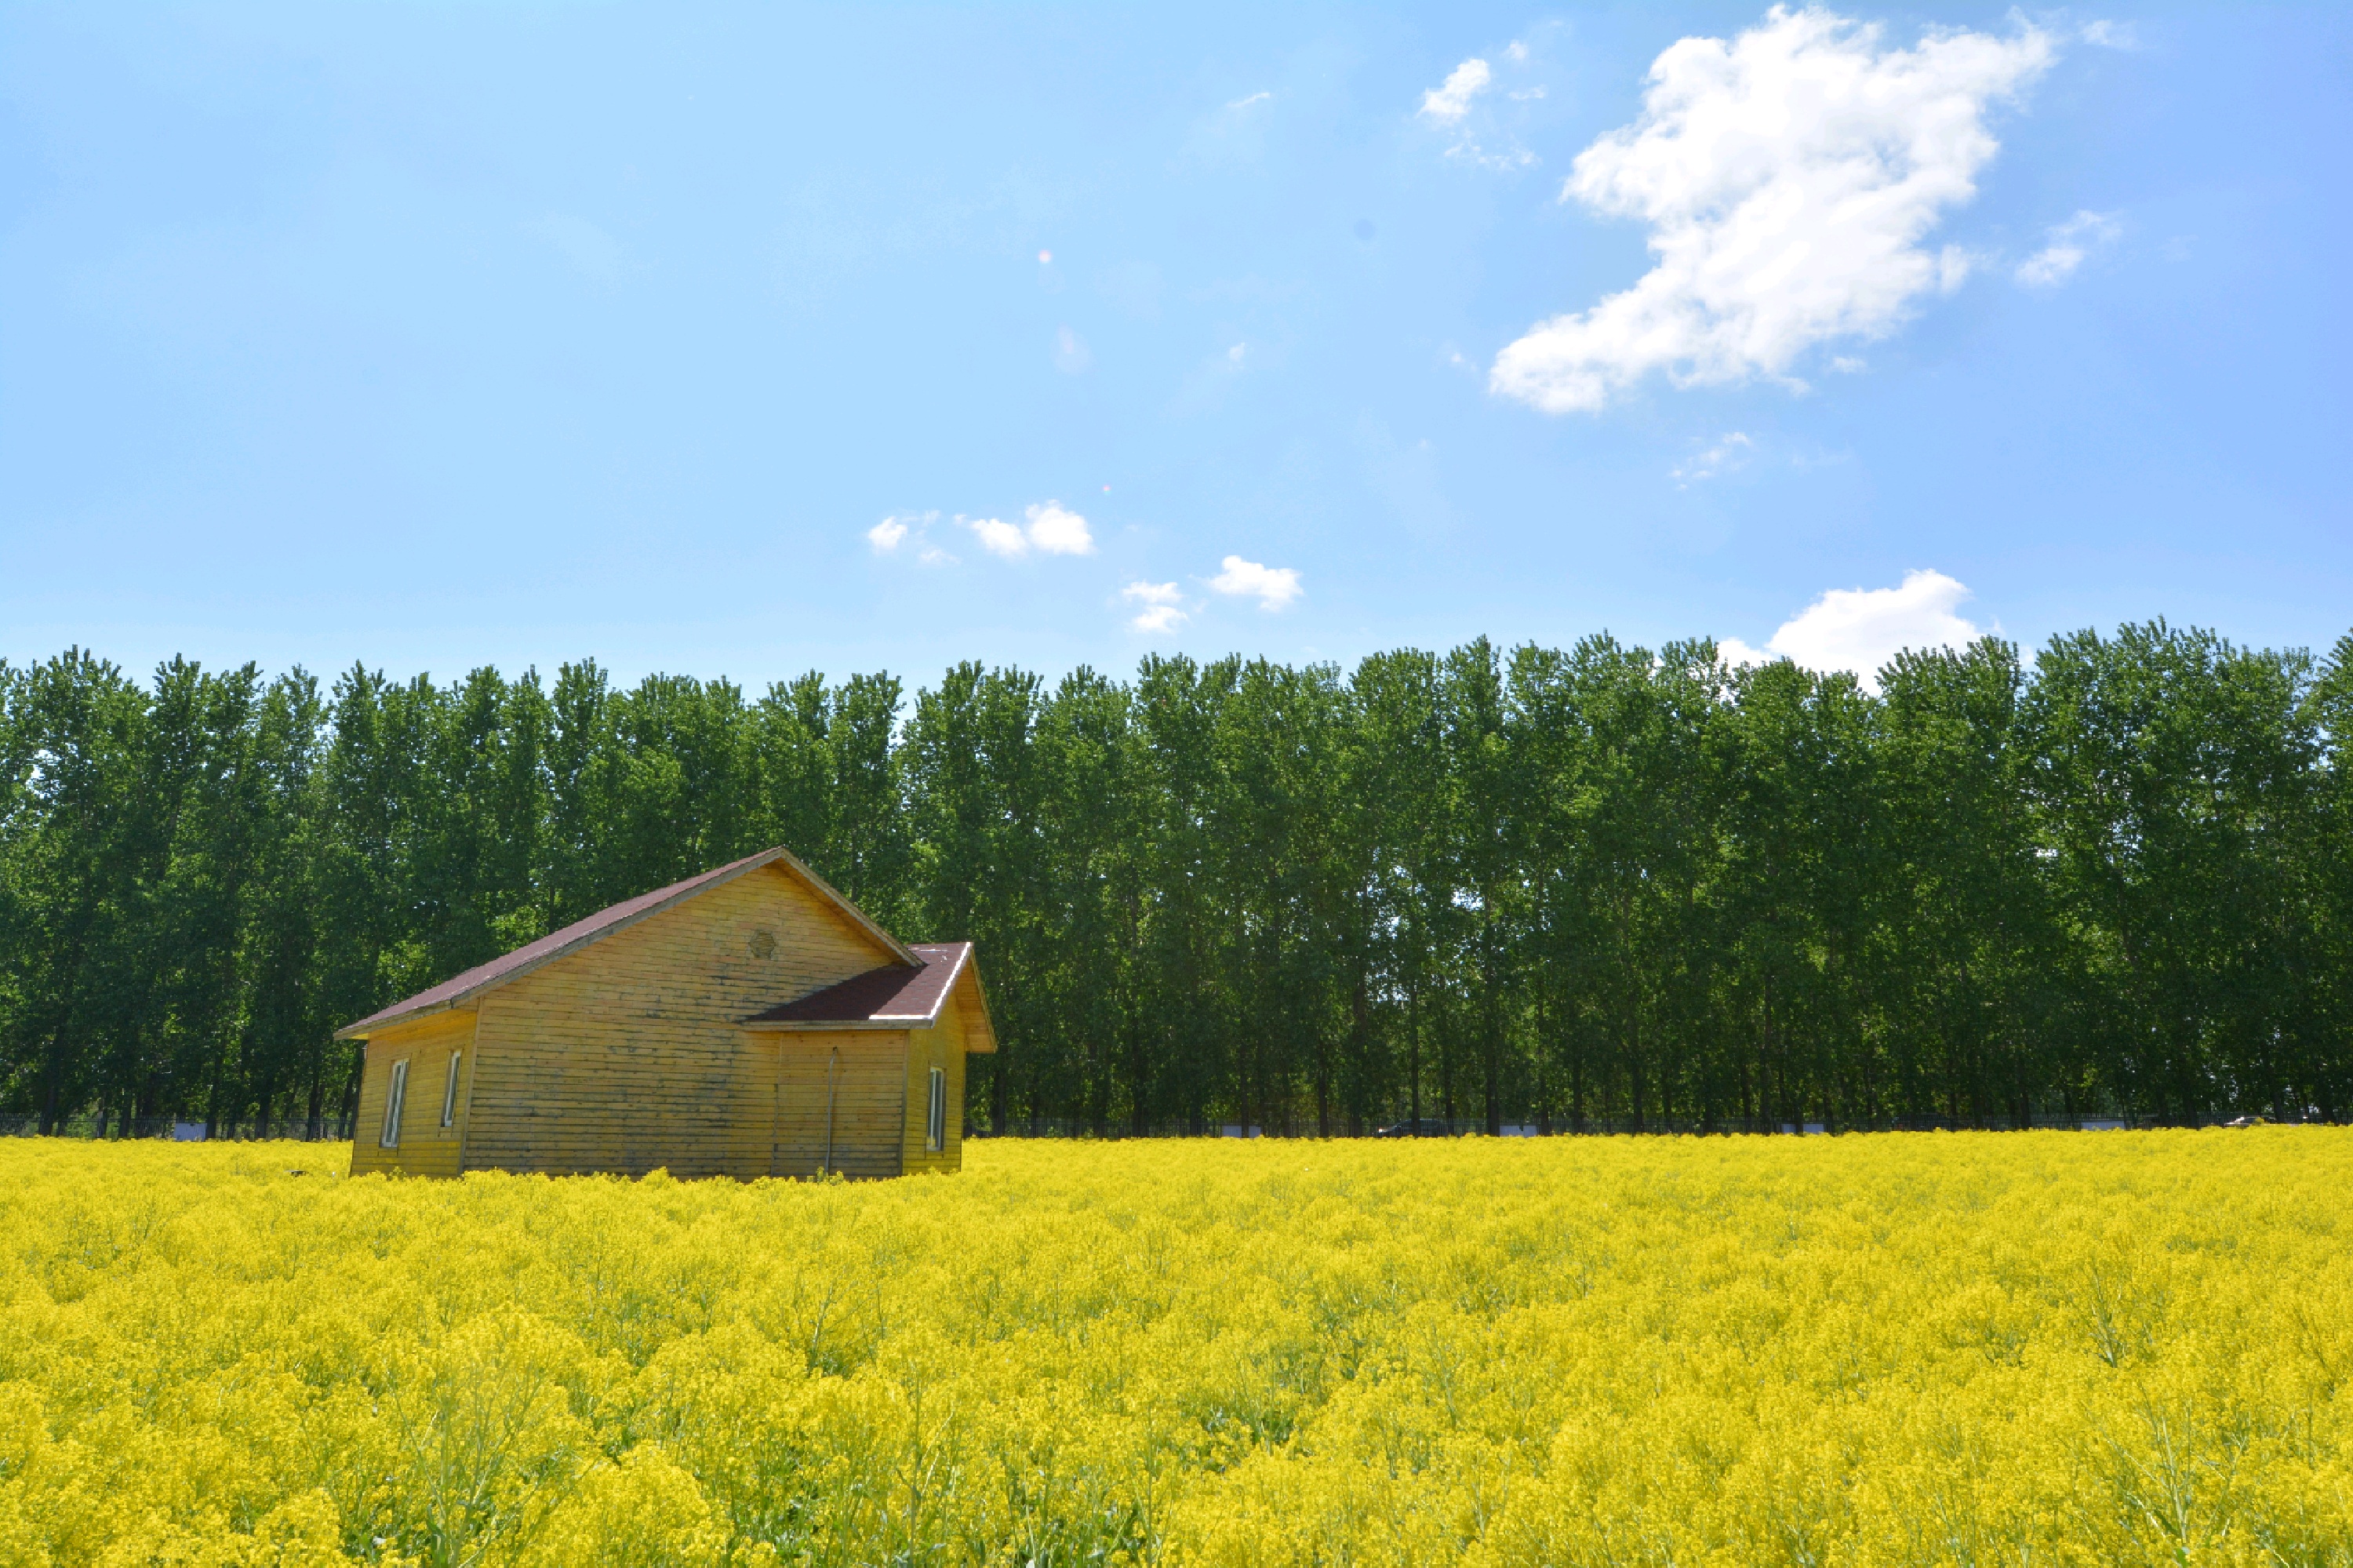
(443, 335)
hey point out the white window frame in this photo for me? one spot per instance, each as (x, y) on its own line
(450, 1094)
(394, 1093)
(936, 1118)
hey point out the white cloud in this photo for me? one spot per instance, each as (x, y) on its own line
(998, 538)
(1787, 178)
(1273, 587)
(1163, 605)
(1464, 104)
(1253, 98)
(933, 556)
(1449, 103)
(1053, 530)
(1861, 629)
(1733, 651)
(895, 530)
(2111, 35)
(1072, 355)
(1732, 452)
(1509, 158)
(2066, 246)
(1058, 531)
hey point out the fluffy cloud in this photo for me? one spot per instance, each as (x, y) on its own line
(1058, 531)
(1449, 103)
(1162, 606)
(1053, 530)
(2065, 247)
(998, 538)
(1787, 178)
(895, 530)
(1273, 587)
(1733, 651)
(1863, 629)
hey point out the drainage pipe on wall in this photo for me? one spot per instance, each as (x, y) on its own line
(831, 1063)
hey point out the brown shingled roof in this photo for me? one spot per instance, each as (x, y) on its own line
(893, 997)
(463, 987)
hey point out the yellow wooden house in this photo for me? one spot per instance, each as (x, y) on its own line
(749, 1022)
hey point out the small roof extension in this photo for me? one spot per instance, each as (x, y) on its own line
(891, 997)
(461, 989)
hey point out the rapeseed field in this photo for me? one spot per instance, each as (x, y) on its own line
(2114, 1348)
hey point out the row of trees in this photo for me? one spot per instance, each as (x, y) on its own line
(1599, 888)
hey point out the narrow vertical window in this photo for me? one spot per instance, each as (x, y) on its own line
(935, 1124)
(450, 1094)
(395, 1092)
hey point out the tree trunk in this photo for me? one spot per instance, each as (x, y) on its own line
(1413, 1052)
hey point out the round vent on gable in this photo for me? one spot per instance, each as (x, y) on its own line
(763, 944)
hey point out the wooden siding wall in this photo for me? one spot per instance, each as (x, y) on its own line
(627, 1054)
(426, 1148)
(942, 1045)
(868, 1095)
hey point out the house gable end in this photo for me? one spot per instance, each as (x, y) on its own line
(704, 958)
(972, 1006)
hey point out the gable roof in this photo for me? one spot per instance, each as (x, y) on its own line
(891, 997)
(463, 988)
(894, 996)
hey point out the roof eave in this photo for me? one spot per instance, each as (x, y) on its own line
(833, 1026)
(366, 1027)
(508, 977)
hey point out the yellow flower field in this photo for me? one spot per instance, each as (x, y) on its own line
(1900, 1348)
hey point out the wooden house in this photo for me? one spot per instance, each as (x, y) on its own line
(749, 1022)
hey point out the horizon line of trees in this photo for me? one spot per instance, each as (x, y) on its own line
(1582, 889)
